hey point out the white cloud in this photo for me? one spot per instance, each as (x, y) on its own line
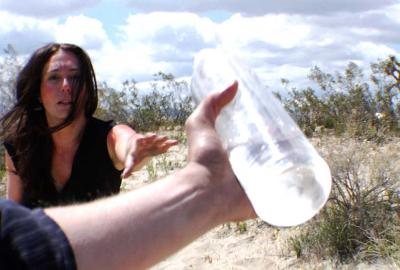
(275, 43)
(276, 46)
(181, 30)
(45, 9)
(167, 42)
(83, 31)
(373, 51)
(156, 42)
(393, 12)
(256, 7)
(27, 34)
(24, 33)
(282, 31)
(286, 71)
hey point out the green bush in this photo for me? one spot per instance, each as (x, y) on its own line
(165, 105)
(348, 103)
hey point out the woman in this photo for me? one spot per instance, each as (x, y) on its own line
(56, 151)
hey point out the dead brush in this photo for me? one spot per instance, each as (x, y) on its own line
(361, 219)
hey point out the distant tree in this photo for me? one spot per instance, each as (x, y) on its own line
(306, 108)
(392, 69)
(344, 102)
(386, 78)
(9, 68)
(361, 109)
(165, 104)
(113, 104)
(181, 101)
(348, 99)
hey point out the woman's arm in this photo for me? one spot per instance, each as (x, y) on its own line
(130, 150)
(14, 183)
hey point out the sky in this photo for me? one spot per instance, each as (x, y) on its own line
(135, 39)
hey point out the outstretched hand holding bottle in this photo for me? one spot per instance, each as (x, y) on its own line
(284, 177)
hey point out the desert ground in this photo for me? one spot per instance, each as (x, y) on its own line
(253, 244)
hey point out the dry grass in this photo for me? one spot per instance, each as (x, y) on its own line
(361, 221)
(253, 244)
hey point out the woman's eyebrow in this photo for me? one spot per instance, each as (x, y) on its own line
(55, 70)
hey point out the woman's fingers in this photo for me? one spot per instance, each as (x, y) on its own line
(147, 146)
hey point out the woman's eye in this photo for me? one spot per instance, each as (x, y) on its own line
(53, 78)
(75, 78)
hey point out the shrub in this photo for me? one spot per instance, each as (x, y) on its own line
(166, 104)
(349, 103)
(361, 218)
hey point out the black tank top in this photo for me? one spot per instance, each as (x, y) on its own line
(93, 174)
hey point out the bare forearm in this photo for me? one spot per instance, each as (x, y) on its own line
(138, 229)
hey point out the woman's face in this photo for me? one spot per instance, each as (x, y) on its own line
(60, 77)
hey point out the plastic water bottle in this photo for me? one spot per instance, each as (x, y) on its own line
(284, 177)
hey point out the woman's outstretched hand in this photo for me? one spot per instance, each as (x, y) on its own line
(142, 149)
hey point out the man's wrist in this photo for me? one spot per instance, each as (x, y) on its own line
(206, 183)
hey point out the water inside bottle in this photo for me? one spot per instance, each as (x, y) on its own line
(284, 177)
(284, 190)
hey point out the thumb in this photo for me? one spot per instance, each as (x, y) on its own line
(211, 106)
(200, 124)
(226, 96)
(129, 164)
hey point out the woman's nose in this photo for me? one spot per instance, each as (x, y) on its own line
(66, 85)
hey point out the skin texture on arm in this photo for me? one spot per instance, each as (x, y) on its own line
(138, 229)
(131, 151)
(14, 183)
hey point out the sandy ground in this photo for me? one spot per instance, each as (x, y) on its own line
(250, 245)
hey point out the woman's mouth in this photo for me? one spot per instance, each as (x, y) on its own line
(65, 103)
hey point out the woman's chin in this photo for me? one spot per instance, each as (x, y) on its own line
(55, 121)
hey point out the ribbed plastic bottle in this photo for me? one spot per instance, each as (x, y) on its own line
(284, 177)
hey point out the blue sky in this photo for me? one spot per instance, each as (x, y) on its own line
(134, 39)
(110, 13)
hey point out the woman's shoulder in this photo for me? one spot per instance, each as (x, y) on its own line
(99, 121)
(98, 124)
(96, 130)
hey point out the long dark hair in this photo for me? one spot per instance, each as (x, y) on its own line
(25, 127)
